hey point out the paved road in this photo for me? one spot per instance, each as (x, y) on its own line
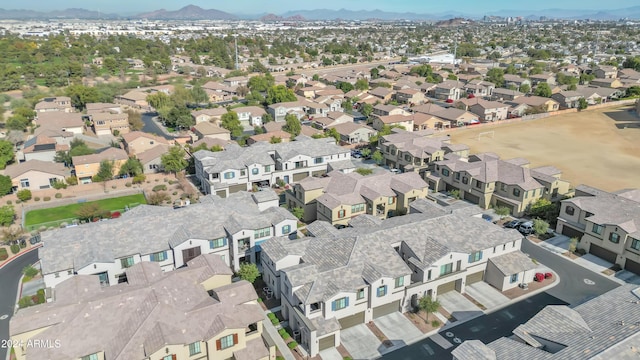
(9, 278)
(577, 284)
(150, 126)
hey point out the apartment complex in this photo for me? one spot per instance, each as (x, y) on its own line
(232, 228)
(606, 224)
(264, 164)
(595, 330)
(335, 279)
(184, 314)
(485, 180)
(417, 151)
(339, 197)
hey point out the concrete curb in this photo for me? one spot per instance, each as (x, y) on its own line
(39, 245)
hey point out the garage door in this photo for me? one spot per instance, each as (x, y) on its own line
(387, 309)
(300, 176)
(603, 253)
(222, 193)
(500, 203)
(571, 232)
(318, 173)
(474, 278)
(327, 343)
(445, 288)
(469, 197)
(632, 266)
(352, 320)
(237, 188)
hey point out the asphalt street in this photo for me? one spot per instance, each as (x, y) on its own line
(9, 278)
(577, 285)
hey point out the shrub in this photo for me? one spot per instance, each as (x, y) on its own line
(157, 180)
(58, 195)
(259, 300)
(282, 332)
(165, 180)
(23, 245)
(435, 323)
(114, 187)
(139, 179)
(37, 198)
(15, 249)
(277, 357)
(271, 316)
(59, 185)
(157, 198)
(72, 180)
(292, 345)
(174, 193)
(581, 251)
(161, 187)
(24, 302)
(18, 201)
(40, 295)
(9, 202)
(3, 254)
(24, 195)
(127, 184)
(115, 214)
(275, 322)
(46, 198)
(30, 271)
(286, 336)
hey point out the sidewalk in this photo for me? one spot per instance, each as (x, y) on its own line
(273, 333)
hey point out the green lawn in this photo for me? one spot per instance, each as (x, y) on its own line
(40, 216)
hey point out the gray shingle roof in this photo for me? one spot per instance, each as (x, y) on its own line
(513, 263)
(610, 209)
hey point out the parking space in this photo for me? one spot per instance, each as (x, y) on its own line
(593, 263)
(486, 295)
(360, 342)
(558, 244)
(628, 277)
(458, 306)
(397, 328)
(330, 354)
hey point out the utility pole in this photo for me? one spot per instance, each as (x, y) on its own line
(236, 42)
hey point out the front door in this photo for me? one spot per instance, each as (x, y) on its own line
(190, 254)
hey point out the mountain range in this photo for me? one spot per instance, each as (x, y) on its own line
(192, 12)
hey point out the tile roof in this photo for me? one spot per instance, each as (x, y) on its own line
(513, 263)
(15, 170)
(610, 209)
(110, 154)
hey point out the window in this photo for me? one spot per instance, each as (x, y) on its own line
(407, 157)
(267, 168)
(429, 275)
(227, 341)
(243, 172)
(570, 210)
(357, 208)
(516, 192)
(255, 171)
(286, 229)
(446, 269)
(194, 348)
(478, 184)
(340, 304)
(597, 229)
(90, 357)
(318, 160)
(514, 278)
(399, 281)
(457, 175)
(476, 256)
(381, 291)
(360, 294)
(217, 243)
(392, 200)
(24, 183)
(169, 357)
(126, 262)
(159, 256)
(503, 187)
(445, 172)
(635, 244)
(465, 180)
(260, 233)
(614, 238)
(229, 175)
(341, 214)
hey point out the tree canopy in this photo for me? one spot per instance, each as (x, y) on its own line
(278, 94)
(543, 90)
(174, 160)
(293, 125)
(6, 153)
(231, 122)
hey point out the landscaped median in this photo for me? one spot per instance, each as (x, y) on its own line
(54, 216)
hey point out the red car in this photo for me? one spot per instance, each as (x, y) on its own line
(539, 277)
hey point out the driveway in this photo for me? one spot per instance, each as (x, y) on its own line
(330, 354)
(486, 295)
(458, 306)
(397, 328)
(360, 342)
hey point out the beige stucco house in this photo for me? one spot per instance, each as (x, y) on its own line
(36, 174)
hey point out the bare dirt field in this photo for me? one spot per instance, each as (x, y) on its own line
(600, 148)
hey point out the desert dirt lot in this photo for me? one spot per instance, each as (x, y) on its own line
(600, 148)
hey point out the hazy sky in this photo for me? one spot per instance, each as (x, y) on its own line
(280, 6)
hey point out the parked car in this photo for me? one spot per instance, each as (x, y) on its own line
(513, 224)
(356, 155)
(526, 228)
(539, 277)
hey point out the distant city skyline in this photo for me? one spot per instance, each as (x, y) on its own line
(282, 6)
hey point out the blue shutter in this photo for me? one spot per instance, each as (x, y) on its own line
(165, 255)
(224, 241)
(470, 258)
(480, 257)
(333, 306)
(346, 302)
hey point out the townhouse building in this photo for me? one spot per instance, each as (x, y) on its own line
(233, 228)
(485, 180)
(183, 314)
(279, 110)
(410, 96)
(515, 80)
(605, 224)
(449, 90)
(336, 279)
(568, 99)
(264, 164)
(339, 197)
(479, 88)
(417, 151)
(489, 110)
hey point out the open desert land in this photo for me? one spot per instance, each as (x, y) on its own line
(600, 148)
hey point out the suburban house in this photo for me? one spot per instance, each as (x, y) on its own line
(107, 123)
(352, 133)
(489, 110)
(137, 141)
(382, 94)
(605, 72)
(479, 88)
(605, 224)
(232, 228)
(264, 164)
(410, 96)
(449, 90)
(546, 77)
(404, 121)
(515, 80)
(62, 121)
(135, 98)
(417, 151)
(561, 332)
(60, 103)
(87, 166)
(339, 197)
(607, 83)
(151, 159)
(568, 99)
(539, 102)
(387, 110)
(332, 118)
(335, 279)
(250, 115)
(486, 180)
(502, 94)
(423, 122)
(208, 115)
(207, 129)
(36, 174)
(279, 110)
(181, 314)
(40, 148)
(456, 117)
